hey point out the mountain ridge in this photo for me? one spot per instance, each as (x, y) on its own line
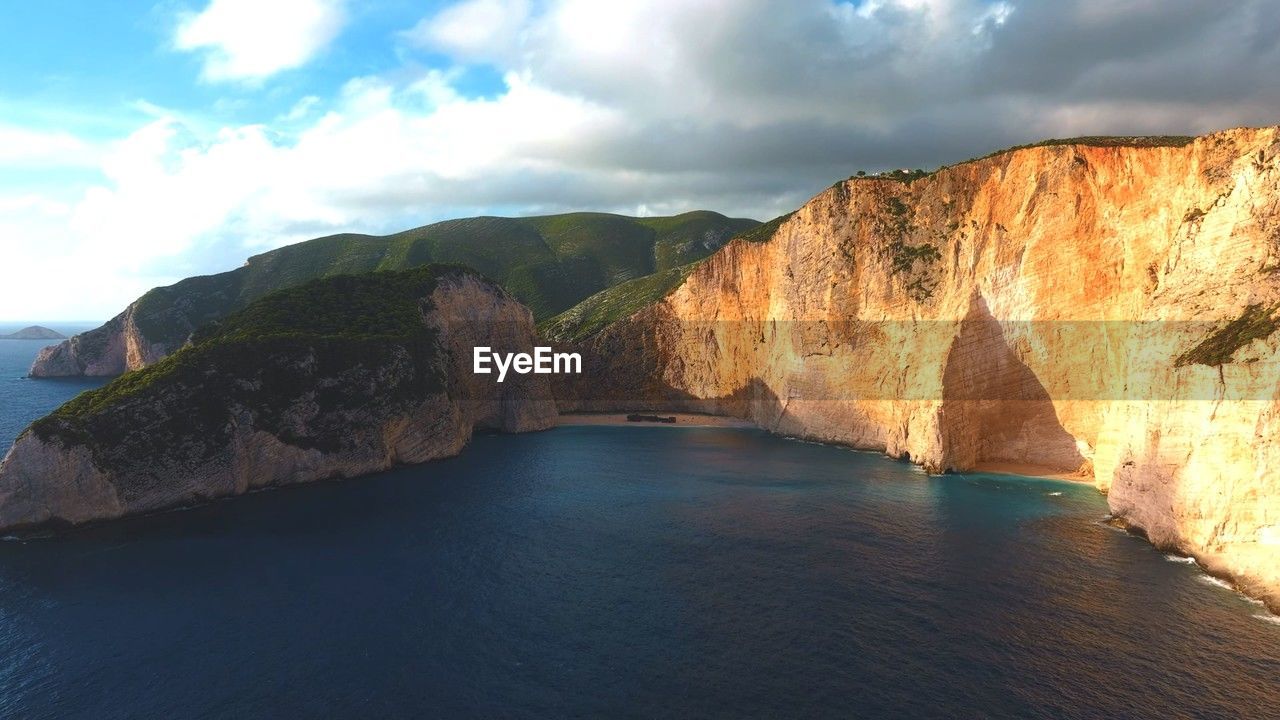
(549, 262)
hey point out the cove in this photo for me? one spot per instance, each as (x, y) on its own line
(628, 572)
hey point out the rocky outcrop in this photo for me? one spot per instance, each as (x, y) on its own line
(116, 347)
(1092, 308)
(270, 398)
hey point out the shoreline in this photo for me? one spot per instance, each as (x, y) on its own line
(682, 420)
(1029, 470)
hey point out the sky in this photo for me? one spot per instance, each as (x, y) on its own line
(142, 142)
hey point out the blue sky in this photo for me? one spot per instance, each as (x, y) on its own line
(143, 141)
(114, 54)
(115, 68)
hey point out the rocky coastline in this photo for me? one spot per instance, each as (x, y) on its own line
(1098, 310)
(271, 398)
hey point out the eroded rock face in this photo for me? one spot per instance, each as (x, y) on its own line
(116, 347)
(1105, 311)
(279, 412)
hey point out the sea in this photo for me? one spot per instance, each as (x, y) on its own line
(624, 572)
(23, 400)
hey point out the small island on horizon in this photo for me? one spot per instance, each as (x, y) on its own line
(34, 332)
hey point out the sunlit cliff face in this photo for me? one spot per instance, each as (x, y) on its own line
(1105, 311)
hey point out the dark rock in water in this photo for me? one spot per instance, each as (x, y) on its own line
(651, 418)
(35, 332)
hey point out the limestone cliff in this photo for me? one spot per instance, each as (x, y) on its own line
(106, 351)
(1100, 308)
(333, 379)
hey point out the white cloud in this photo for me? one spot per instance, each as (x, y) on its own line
(49, 273)
(473, 29)
(656, 106)
(176, 202)
(26, 147)
(252, 39)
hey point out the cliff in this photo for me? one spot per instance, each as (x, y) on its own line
(106, 351)
(335, 378)
(549, 263)
(1100, 308)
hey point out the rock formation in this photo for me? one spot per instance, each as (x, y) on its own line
(106, 351)
(337, 378)
(1099, 308)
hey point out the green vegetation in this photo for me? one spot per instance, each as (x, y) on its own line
(609, 306)
(902, 175)
(1255, 323)
(909, 176)
(765, 232)
(692, 236)
(1131, 141)
(370, 305)
(903, 257)
(329, 342)
(895, 207)
(549, 263)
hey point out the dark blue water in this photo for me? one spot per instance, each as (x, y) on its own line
(629, 572)
(23, 400)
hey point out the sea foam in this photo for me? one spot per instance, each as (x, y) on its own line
(1216, 581)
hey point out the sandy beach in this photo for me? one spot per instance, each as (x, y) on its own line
(682, 420)
(1008, 468)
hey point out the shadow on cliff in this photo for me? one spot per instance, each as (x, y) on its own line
(994, 408)
(623, 371)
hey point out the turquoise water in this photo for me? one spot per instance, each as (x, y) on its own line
(629, 572)
(23, 400)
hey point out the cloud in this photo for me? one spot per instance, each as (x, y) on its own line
(474, 29)
(22, 147)
(251, 40)
(300, 109)
(639, 106)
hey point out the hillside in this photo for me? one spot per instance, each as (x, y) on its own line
(617, 302)
(337, 377)
(549, 263)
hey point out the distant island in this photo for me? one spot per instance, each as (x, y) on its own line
(35, 332)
